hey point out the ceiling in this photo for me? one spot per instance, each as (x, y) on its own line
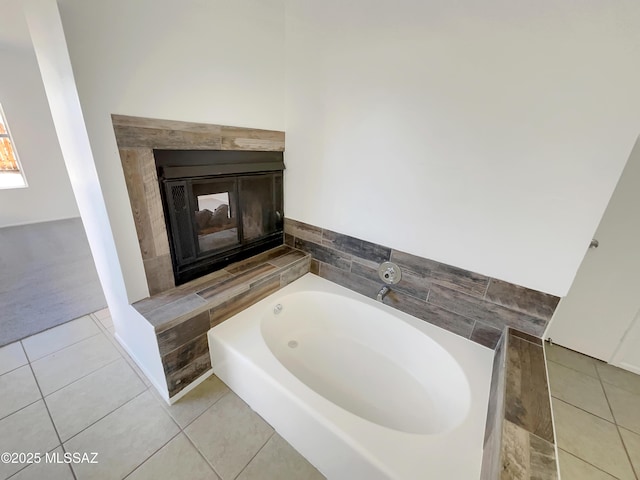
(13, 26)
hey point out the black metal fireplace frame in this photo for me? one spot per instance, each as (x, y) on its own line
(177, 168)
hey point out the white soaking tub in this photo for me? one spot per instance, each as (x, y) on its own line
(362, 390)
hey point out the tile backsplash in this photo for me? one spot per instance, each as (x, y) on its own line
(467, 303)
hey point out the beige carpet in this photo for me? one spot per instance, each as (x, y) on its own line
(47, 277)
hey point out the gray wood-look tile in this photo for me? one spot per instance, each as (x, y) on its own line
(295, 271)
(185, 354)
(314, 266)
(290, 257)
(527, 392)
(302, 230)
(178, 311)
(349, 280)
(442, 274)
(525, 336)
(430, 313)
(227, 289)
(238, 303)
(485, 335)
(325, 254)
(488, 313)
(522, 299)
(180, 379)
(526, 456)
(355, 246)
(159, 273)
(186, 331)
(261, 258)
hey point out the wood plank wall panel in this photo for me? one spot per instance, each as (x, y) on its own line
(519, 437)
(469, 304)
(136, 138)
(183, 315)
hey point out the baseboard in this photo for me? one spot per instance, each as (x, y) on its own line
(162, 389)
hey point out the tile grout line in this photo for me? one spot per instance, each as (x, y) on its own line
(574, 369)
(82, 377)
(106, 415)
(153, 453)
(55, 429)
(585, 461)
(60, 349)
(583, 410)
(256, 454)
(202, 455)
(624, 446)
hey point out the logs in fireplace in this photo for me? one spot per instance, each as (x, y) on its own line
(220, 206)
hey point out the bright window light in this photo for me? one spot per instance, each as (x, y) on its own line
(11, 175)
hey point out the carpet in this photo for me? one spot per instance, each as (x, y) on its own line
(47, 277)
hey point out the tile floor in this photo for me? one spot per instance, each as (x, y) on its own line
(73, 389)
(596, 410)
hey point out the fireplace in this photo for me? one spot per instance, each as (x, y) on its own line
(242, 157)
(219, 206)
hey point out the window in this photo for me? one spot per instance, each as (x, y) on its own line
(10, 172)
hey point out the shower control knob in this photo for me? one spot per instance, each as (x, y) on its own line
(389, 273)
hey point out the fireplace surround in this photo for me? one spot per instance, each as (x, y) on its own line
(137, 139)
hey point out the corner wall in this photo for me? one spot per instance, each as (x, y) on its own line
(211, 61)
(48, 195)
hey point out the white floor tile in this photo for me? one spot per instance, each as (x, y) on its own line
(124, 439)
(11, 357)
(185, 410)
(571, 359)
(625, 406)
(592, 439)
(572, 468)
(632, 443)
(69, 364)
(27, 430)
(177, 459)
(80, 404)
(57, 338)
(229, 434)
(578, 389)
(620, 378)
(278, 460)
(46, 470)
(18, 389)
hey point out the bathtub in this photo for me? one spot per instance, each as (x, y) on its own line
(362, 390)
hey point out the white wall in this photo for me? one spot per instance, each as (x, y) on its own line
(48, 195)
(214, 61)
(488, 135)
(137, 335)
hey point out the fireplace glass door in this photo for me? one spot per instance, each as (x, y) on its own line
(216, 214)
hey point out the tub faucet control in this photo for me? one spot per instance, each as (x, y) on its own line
(383, 293)
(389, 273)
